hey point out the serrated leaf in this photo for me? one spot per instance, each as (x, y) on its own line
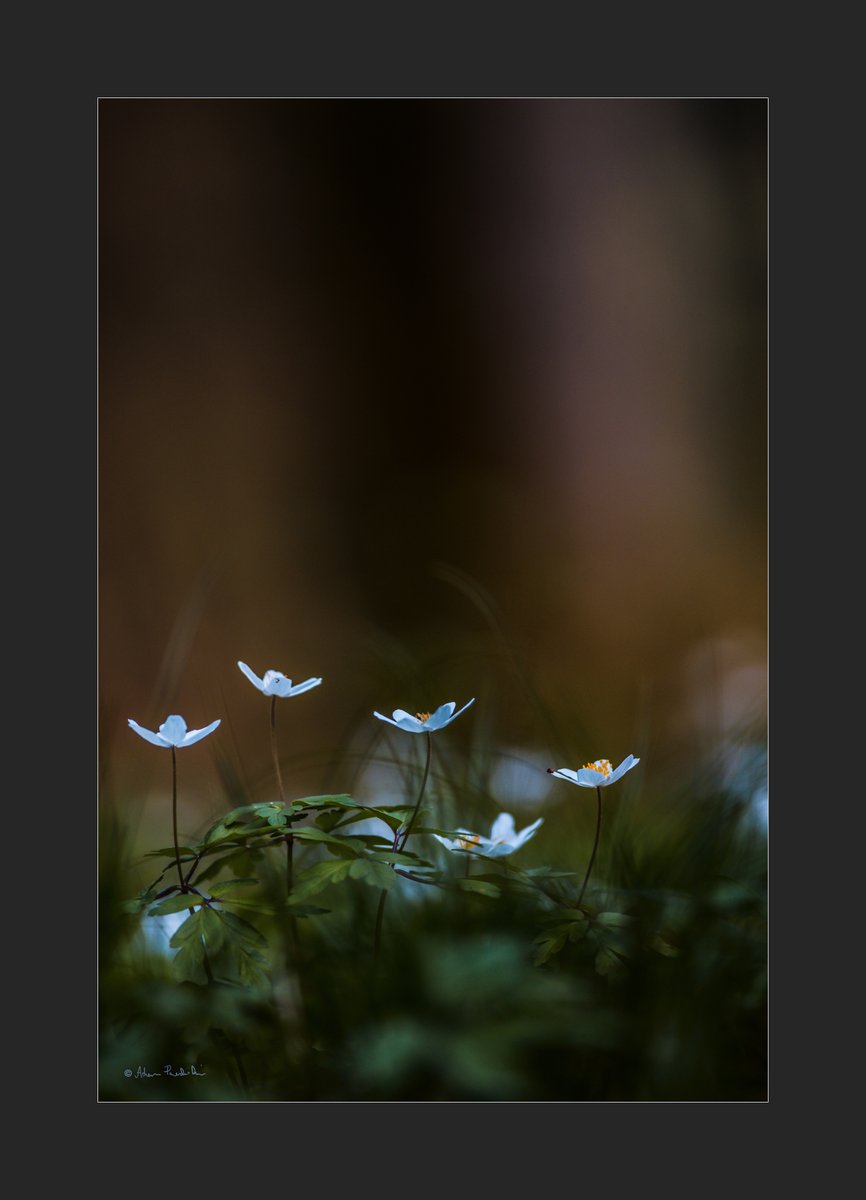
(187, 932)
(609, 964)
(481, 886)
(175, 904)
(613, 920)
(549, 944)
(373, 873)
(319, 876)
(237, 927)
(311, 834)
(339, 801)
(229, 885)
(212, 930)
(306, 910)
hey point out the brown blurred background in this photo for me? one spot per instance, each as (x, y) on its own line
(359, 358)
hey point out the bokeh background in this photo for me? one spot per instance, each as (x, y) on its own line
(435, 399)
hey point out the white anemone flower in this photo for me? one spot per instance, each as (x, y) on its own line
(275, 683)
(173, 732)
(424, 722)
(595, 774)
(503, 838)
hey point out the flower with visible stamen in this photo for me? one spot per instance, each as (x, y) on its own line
(595, 774)
(425, 722)
(503, 838)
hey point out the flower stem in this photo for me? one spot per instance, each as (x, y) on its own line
(290, 841)
(594, 849)
(420, 794)
(276, 756)
(400, 845)
(174, 815)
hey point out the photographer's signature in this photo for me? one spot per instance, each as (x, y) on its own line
(168, 1071)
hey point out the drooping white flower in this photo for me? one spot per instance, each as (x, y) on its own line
(275, 683)
(595, 774)
(424, 722)
(503, 838)
(173, 732)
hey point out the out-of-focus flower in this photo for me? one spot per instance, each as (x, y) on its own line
(276, 684)
(173, 732)
(595, 774)
(503, 838)
(424, 722)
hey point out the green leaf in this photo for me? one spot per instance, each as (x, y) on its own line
(189, 931)
(319, 876)
(373, 873)
(212, 930)
(481, 886)
(168, 852)
(311, 834)
(306, 910)
(237, 928)
(340, 801)
(228, 885)
(613, 920)
(173, 904)
(550, 943)
(609, 964)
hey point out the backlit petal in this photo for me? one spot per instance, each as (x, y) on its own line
(305, 686)
(195, 735)
(503, 828)
(147, 734)
(173, 729)
(251, 676)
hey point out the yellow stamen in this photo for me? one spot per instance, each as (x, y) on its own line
(466, 843)
(602, 765)
(423, 716)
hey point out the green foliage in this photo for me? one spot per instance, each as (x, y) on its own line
(490, 984)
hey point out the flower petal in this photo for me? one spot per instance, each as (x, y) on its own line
(406, 721)
(382, 717)
(195, 735)
(441, 717)
(625, 765)
(525, 834)
(463, 709)
(499, 850)
(251, 676)
(305, 686)
(503, 828)
(147, 734)
(569, 776)
(173, 729)
(276, 684)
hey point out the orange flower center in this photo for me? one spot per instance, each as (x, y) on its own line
(423, 716)
(467, 842)
(602, 765)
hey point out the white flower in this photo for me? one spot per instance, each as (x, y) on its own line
(595, 774)
(424, 722)
(503, 838)
(173, 732)
(276, 684)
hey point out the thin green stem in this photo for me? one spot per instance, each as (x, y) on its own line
(174, 815)
(400, 845)
(276, 756)
(290, 841)
(420, 793)
(594, 849)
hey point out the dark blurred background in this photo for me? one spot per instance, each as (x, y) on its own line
(432, 398)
